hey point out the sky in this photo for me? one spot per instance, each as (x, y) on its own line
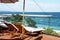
(45, 6)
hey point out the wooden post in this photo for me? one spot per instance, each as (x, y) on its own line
(23, 30)
(23, 17)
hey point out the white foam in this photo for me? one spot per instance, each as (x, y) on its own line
(58, 31)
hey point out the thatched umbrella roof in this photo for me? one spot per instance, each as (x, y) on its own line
(8, 1)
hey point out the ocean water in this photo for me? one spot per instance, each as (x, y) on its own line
(47, 22)
(53, 22)
(45, 13)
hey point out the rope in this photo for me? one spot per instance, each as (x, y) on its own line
(40, 7)
(11, 7)
(43, 11)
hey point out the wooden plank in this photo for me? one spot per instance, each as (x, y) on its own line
(8, 1)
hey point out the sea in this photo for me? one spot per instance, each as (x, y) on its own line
(52, 22)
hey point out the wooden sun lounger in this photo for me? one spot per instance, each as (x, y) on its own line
(18, 27)
(11, 27)
(15, 27)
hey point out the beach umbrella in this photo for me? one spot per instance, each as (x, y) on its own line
(8, 1)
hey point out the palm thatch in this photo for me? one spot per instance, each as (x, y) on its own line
(8, 1)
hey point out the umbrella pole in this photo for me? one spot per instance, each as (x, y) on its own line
(23, 30)
(23, 16)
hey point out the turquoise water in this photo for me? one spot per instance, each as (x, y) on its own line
(47, 22)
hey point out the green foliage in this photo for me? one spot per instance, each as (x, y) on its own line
(54, 33)
(16, 18)
(31, 22)
(50, 31)
(7, 19)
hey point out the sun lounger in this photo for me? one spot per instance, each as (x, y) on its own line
(32, 29)
(18, 27)
(11, 27)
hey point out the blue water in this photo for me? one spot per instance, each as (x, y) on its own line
(46, 13)
(53, 22)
